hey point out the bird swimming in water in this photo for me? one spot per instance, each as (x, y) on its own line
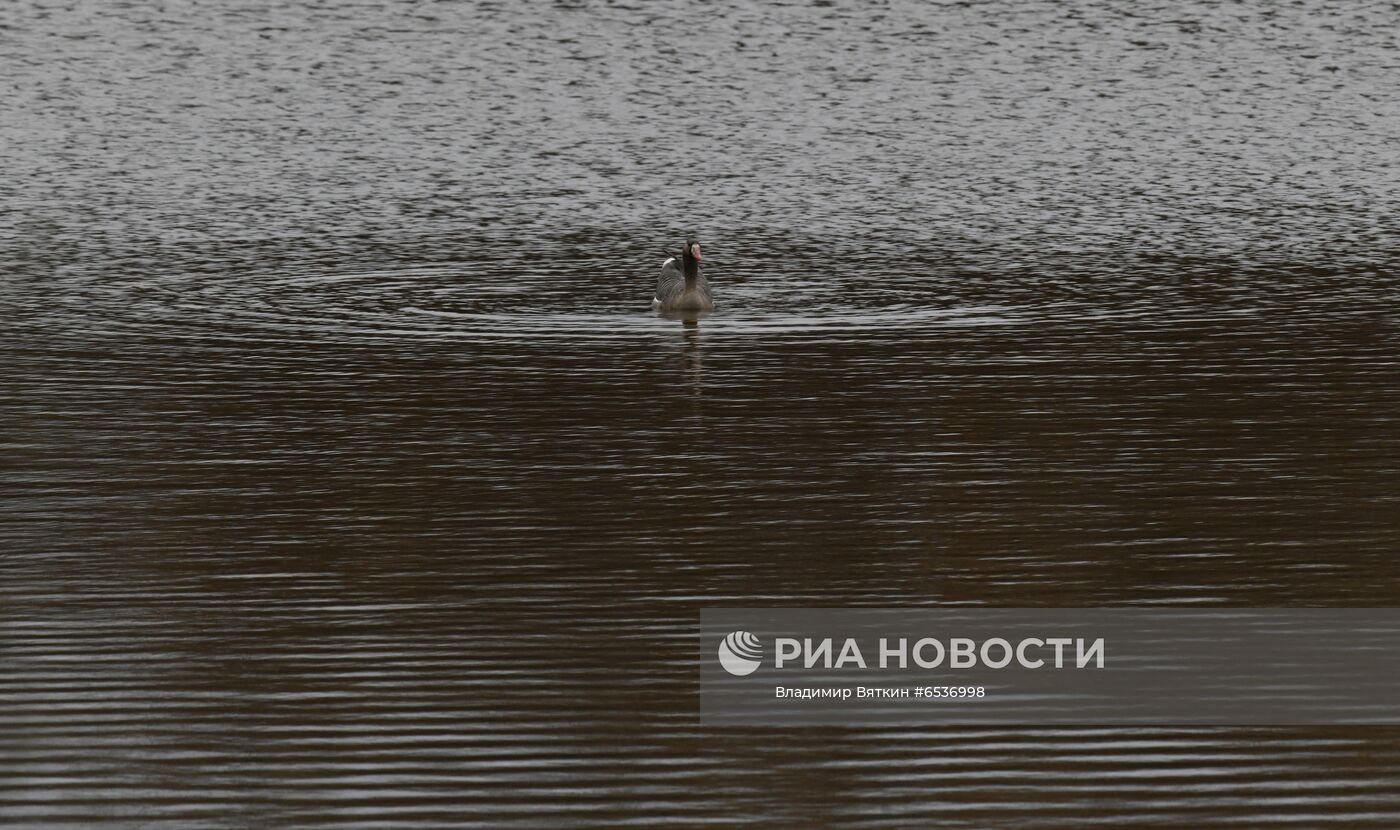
(681, 286)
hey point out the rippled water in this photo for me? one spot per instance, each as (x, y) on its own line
(350, 480)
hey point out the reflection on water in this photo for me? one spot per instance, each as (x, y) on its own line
(351, 480)
(691, 352)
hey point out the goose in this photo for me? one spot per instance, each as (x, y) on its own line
(681, 286)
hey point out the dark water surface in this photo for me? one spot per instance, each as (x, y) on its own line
(349, 480)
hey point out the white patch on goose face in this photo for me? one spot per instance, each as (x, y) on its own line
(695, 251)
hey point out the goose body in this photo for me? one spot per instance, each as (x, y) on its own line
(681, 286)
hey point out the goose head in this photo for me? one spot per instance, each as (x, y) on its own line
(690, 259)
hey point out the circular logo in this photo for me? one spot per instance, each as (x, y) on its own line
(740, 653)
